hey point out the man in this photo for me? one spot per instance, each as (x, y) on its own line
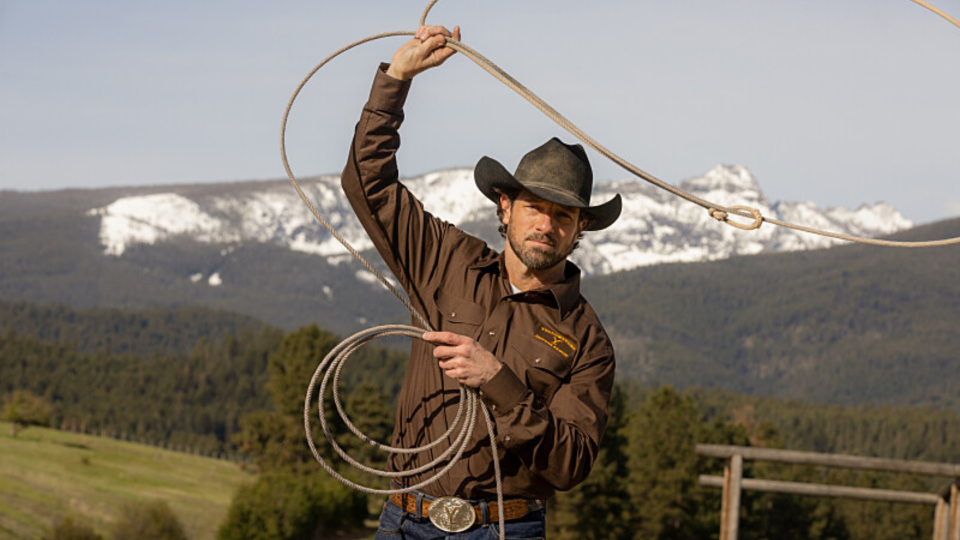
(511, 325)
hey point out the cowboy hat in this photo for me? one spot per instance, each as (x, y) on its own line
(556, 172)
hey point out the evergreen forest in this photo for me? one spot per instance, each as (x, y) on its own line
(214, 382)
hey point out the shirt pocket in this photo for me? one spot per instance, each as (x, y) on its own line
(546, 368)
(458, 315)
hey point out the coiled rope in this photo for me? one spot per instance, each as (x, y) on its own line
(469, 403)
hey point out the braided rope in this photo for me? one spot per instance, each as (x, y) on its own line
(469, 403)
(332, 365)
(336, 358)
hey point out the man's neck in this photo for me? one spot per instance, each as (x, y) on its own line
(527, 279)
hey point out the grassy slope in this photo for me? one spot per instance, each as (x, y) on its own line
(46, 474)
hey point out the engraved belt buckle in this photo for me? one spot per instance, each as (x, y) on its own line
(451, 514)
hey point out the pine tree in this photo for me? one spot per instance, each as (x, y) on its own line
(291, 368)
(662, 482)
(597, 508)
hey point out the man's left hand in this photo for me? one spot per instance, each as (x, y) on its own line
(463, 359)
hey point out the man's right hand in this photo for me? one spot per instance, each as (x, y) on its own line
(426, 50)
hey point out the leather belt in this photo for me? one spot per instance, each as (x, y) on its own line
(512, 508)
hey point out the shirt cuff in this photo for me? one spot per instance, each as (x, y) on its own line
(388, 94)
(503, 392)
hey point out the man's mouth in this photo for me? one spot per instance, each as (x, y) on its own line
(542, 241)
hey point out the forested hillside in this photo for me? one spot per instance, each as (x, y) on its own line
(158, 331)
(182, 376)
(244, 392)
(848, 325)
(190, 374)
(194, 399)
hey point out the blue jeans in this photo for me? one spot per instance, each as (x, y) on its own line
(395, 524)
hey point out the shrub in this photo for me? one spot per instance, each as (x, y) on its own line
(148, 521)
(67, 529)
(24, 409)
(288, 506)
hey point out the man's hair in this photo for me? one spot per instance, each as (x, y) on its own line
(512, 195)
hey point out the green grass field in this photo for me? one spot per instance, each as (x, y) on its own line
(47, 474)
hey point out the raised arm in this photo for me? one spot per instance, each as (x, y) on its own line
(407, 237)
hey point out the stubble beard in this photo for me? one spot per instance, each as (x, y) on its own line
(536, 257)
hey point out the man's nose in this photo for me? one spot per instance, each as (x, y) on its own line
(545, 223)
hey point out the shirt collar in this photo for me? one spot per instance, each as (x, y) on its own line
(566, 293)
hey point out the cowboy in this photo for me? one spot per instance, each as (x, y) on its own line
(512, 324)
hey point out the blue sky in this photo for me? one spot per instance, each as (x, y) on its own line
(841, 103)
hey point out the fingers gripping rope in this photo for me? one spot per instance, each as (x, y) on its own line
(470, 406)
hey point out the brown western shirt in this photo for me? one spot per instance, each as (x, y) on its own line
(549, 400)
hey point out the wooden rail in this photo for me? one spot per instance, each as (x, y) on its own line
(946, 504)
(823, 490)
(925, 468)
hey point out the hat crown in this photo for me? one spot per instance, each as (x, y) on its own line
(560, 167)
(555, 172)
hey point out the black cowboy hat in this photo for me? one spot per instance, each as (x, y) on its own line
(556, 172)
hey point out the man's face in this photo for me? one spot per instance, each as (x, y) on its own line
(540, 233)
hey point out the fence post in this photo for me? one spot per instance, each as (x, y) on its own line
(955, 511)
(941, 520)
(730, 505)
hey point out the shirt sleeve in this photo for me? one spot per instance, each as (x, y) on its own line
(406, 236)
(557, 442)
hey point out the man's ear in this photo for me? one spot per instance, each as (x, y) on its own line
(506, 205)
(581, 225)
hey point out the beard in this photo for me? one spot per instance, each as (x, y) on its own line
(538, 257)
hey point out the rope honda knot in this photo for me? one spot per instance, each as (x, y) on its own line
(718, 215)
(724, 217)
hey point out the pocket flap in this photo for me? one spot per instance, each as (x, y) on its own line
(458, 310)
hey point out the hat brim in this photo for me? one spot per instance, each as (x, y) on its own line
(492, 179)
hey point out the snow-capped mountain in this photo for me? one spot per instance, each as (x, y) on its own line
(655, 227)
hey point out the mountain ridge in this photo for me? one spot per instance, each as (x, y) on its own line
(655, 226)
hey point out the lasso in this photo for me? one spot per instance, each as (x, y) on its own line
(333, 363)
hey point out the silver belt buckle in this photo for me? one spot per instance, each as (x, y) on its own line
(451, 514)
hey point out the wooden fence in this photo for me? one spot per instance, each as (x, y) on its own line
(946, 503)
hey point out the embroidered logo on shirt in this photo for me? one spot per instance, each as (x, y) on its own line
(559, 343)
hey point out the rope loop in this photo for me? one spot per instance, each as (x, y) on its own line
(331, 367)
(463, 424)
(724, 217)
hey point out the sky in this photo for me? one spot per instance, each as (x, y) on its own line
(839, 102)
